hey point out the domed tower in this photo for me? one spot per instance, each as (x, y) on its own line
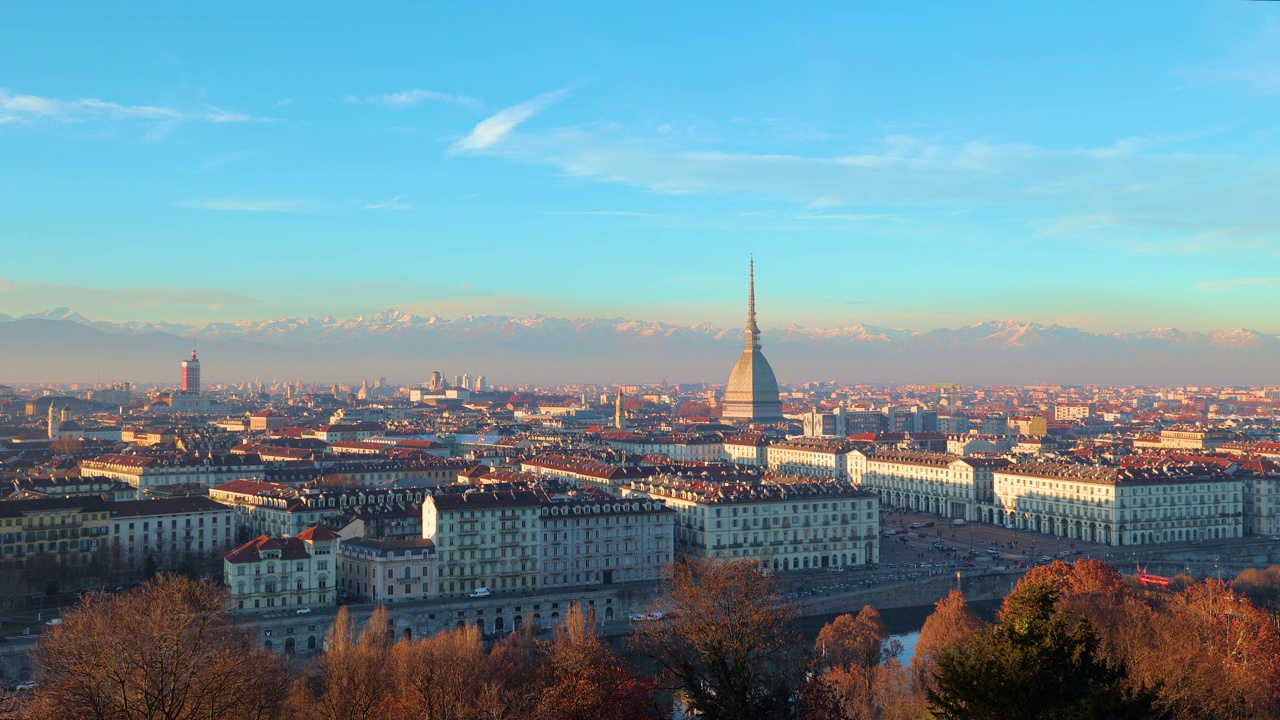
(752, 393)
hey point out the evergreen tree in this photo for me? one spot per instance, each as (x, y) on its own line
(1039, 663)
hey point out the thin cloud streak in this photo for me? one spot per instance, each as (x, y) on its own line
(1134, 184)
(1221, 285)
(493, 129)
(411, 98)
(618, 213)
(392, 204)
(29, 107)
(245, 205)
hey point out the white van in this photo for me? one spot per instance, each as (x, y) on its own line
(957, 521)
(481, 592)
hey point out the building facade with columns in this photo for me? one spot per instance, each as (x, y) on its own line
(783, 523)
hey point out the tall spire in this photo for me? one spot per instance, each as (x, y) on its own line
(752, 340)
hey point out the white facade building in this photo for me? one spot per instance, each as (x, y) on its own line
(784, 524)
(387, 571)
(1121, 506)
(947, 485)
(170, 530)
(285, 572)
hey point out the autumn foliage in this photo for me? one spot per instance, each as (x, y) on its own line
(1071, 641)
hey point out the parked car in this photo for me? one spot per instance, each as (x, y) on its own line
(913, 526)
(28, 685)
(303, 611)
(957, 521)
(928, 524)
(53, 621)
(967, 564)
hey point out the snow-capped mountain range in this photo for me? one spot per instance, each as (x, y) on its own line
(406, 347)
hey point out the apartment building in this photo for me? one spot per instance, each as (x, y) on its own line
(809, 457)
(746, 449)
(148, 471)
(1261, 478)
(1121, 505)
(585, 472)
(72, 528)
(170, 530)
(274, 509)
(484, 539)
(387, 571)
(282, 572)
(948, 485)
(591, 538)
(785, 523)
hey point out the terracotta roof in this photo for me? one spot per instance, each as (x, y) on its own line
(290, 549)
(317, 533)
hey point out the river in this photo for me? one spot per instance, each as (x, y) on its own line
(904, 623)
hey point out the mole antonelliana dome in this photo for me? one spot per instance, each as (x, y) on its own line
(752, 393)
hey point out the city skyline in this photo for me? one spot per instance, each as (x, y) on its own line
(1096, 167)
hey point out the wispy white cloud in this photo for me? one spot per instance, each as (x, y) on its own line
(246, 205)
(33, 107)
(1220, 285)
(846, 217)
(1143, 187)
(410, 98)
(493, 129)
(395, 203)
(1248, 62)
(284, 102)
(620, 213)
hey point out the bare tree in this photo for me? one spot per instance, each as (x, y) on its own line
(725, 645)
(352, 674)
(586, 682)
(167, 651)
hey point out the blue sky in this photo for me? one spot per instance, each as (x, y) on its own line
(1105, 165)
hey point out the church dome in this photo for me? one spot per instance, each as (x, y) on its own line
(751, 378)
(752, 392)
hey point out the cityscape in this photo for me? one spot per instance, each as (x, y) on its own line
(712, 362)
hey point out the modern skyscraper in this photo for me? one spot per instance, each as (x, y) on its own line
(752, 393)
(191, 375)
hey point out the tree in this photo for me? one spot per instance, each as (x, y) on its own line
(861, 641)
(166, 651)
(725, 643)
(449, 676)
(586, 682)
(1038, 663)
(860, 676)
(1214, 655)
(352, 673)
(951, 624)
